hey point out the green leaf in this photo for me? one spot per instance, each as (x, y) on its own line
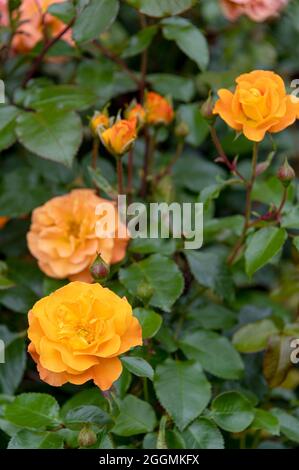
(182, 390)
(63, 97)
(160, 8)
(262, 246)
(8, 115)
(64, 11)
(26, 439)
(149, 320)
(270, 191)
(296, 243)
(232, 411)
(140, 41)
(212, 317)
(101, 182)
(33, 411)
(291, 218)
(266, 421)
(147, 246)
(188, 38)
(210, 270)
(289, 425)
(14, 204)
(138, 366)
(160, 275)
(203, 434)
(86, 414)
(195, 173)
(13, 368)
(254, 337)
(197, 125)
(135, 417)
(95, 18)
(179, 88)
(215, 353)
(92, 396)
(51, 133)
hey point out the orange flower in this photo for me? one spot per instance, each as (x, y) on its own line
(158, 109)
(120, 137)
(63, 236)
(78, 332)
(3, 221)
(98, 121)
(258, 105)
(32, 21)
(136, 112)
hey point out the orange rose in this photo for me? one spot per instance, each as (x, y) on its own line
(136, 112)
(32, 22)
(3, 221)
(258, 105)
(63, 236)
(158, 109)
(77, 332)
(119, 138)
(98, 121)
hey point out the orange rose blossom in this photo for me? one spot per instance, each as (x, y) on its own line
(63, 236)
(3, 221)
(33, 18)
(78, 332)
(157, 109)
(259, 104)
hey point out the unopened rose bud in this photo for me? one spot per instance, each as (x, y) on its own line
(99, 121)
(207, 109)
(99, 269)
(145, 291)
(286, 174)
(87, 437)
(120, 137)
(182, 130)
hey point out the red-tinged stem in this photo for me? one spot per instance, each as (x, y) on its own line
(37, 62)
(250, 184)
(130, 173)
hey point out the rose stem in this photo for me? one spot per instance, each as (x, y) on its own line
(119, 175)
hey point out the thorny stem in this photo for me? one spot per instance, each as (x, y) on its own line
(167, 170)
(115, 58)
(37, 62)
(223, 157)
(119, 175)
(249, 185)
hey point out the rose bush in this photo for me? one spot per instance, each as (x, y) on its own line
(127, 342)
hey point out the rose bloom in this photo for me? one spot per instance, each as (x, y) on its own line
(158, 109)
(258, 105)
(78, 332)
(30, 30)
(257, 10)
(136, 112)
(3, 221)
(63, 237)
(119, 138)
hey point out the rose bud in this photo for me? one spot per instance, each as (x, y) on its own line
(207, 109)
(119, 138)
(98, 121)
(136, 112)
(182, 130)
(99, 269)
(286, 173)
(87, 437)
(158, 109)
